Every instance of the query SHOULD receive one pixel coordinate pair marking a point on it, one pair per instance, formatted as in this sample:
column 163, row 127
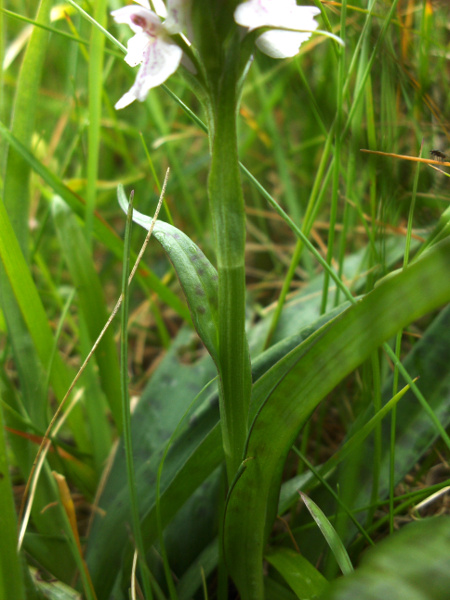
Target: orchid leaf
column 414, row 563
column 153, row 418
column 197, row 276
column 325, row 359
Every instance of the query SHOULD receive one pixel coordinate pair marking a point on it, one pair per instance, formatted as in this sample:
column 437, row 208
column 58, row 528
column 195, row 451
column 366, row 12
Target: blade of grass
column 95, row 111
column 28, row 356
column 126, row 410
column 337, row 157
column 11, row 578
column 330, row 535
column 398, row 342
column 91, row 302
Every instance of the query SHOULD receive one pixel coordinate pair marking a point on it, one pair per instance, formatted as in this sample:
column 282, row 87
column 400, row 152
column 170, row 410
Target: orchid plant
column 159, row 55
column 222, row 37
column 219, row 61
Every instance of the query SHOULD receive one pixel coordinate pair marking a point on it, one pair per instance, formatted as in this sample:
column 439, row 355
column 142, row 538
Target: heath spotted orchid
column 278, row 43
column 151, row 46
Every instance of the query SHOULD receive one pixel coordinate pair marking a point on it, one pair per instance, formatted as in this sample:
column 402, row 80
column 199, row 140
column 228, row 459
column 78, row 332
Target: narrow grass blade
column 30, row 304
column 15, row 194
column 22, row 126
column 95, row 112
column 92, row 303
column 330, row 535
column 11, row 579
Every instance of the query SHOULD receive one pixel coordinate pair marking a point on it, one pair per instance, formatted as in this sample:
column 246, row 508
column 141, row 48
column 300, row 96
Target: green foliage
column 414, row 563
column 281, row 339
column 11, row 579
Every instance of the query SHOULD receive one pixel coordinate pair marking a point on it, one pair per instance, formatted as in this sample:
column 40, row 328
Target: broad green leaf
column 275, row 591
column 303, row 578
column 331, row 353
column 415, row 432
column 412, row 564
column 197, row 276
column 193, row 458
column 45, row 547
column 330, row 535
column 186, row 536
column 429, row 361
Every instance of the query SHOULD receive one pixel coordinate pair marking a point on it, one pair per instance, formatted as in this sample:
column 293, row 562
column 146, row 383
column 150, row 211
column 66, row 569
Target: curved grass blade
column 330, row 535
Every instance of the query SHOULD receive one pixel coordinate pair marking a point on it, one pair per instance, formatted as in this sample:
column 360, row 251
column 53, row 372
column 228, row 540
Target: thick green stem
column 227, row 207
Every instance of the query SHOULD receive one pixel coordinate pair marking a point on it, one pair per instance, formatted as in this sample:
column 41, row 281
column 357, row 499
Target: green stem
column 228, row 216
column 126, row 412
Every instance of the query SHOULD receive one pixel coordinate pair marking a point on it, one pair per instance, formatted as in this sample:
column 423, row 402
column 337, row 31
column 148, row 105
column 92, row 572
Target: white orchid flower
column 178, row 15
column 151, row 46
column 278, row 43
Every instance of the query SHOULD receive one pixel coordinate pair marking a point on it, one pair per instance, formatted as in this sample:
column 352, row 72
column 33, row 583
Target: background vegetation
column 302, row 124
